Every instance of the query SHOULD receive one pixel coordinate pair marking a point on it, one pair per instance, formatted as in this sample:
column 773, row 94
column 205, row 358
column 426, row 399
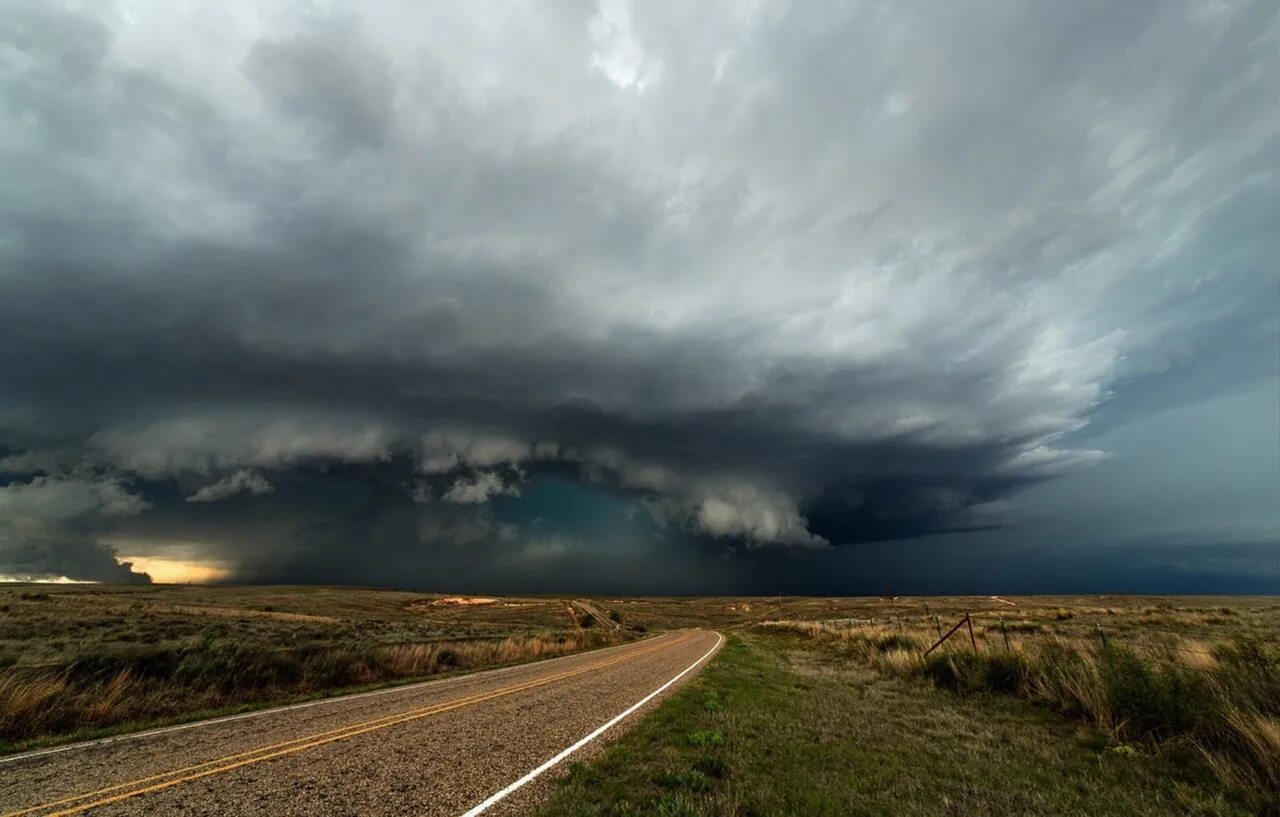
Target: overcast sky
column 661, row 297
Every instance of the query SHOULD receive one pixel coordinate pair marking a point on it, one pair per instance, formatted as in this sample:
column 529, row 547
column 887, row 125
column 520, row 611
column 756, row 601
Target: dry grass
column 238, row 612
column 26, row 701
column 1218, row 701
column 35, row 702
column 91, row 657
column 1257, row 739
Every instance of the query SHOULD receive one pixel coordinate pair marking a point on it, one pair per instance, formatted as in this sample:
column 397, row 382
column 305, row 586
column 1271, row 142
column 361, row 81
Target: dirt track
column 436, row 748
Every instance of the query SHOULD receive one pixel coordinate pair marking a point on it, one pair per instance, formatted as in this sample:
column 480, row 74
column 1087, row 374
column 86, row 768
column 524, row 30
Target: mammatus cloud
column 242, row 481
column 779, row 274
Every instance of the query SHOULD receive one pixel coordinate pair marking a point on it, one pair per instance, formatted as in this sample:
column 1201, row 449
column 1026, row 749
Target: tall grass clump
column 1228, row 716
column 26, row 698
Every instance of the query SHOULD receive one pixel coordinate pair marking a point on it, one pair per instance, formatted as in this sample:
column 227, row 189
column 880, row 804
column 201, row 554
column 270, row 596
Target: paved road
column 445, row 747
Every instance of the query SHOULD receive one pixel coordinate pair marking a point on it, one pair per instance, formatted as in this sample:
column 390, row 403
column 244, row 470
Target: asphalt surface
column 442, row 747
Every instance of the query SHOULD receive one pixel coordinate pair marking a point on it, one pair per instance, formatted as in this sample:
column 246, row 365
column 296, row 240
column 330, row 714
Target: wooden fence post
column 941, row 639
column 972, row 641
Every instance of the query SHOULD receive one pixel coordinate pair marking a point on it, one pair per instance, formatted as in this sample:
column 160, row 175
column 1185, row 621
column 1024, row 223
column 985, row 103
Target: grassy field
column 1054, row 705
column 82, row 660
column 774, row 727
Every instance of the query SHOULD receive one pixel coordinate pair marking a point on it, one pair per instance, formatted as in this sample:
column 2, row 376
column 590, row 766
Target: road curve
column 464, row 745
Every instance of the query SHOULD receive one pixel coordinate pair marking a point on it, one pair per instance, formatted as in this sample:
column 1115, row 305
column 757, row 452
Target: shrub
column 447, row 658
column 1153, row 699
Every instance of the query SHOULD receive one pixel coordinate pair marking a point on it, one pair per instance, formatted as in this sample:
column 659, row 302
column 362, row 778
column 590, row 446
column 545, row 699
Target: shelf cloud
column 774, row 275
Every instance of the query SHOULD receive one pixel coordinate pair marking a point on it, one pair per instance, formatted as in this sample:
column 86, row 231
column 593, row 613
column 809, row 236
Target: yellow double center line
column 221, row 765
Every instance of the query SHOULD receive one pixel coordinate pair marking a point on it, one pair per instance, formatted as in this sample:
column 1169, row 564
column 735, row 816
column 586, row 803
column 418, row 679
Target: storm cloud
column 771, row 275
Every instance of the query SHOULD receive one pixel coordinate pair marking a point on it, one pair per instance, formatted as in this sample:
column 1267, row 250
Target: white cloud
column 242, row 481
column 759, row 517
column 479, row 488
column 619, row 55
column 709, row 504
column 608, row 466
column 39, row 579
column 443, row 451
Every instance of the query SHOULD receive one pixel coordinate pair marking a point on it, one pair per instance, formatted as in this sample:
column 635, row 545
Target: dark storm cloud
column 779, row 275
column 53, row 527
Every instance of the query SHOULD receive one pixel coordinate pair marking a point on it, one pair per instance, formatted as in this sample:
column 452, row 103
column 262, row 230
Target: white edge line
column 495, row 798
column 257, row 713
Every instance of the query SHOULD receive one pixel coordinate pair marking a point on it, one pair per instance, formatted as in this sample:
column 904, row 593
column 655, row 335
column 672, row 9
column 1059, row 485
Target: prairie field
column 1032, row 705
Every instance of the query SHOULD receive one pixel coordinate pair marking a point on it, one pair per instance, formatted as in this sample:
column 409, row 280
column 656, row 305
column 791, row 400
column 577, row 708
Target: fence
column 1020, row 632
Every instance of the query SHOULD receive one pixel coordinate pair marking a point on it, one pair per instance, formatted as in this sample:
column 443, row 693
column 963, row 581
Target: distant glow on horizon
column 178, row 571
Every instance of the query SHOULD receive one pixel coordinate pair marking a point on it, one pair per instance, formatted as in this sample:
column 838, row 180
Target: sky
column 661, row 297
